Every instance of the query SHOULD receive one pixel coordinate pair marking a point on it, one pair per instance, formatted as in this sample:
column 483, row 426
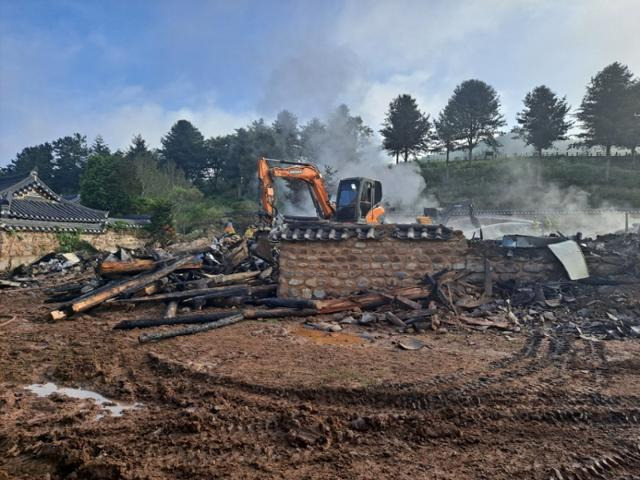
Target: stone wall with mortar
column 17, row 248
column 336, row 268
column 314, row 269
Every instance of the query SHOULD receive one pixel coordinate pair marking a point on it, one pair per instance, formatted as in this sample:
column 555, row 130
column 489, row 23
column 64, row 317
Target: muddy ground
column 276, row 400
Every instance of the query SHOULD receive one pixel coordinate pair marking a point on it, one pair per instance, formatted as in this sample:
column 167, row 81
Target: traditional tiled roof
column 64, row 211
column 26, row 202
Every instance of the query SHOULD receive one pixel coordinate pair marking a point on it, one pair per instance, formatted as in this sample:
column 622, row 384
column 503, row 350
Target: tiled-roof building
column 27, row 203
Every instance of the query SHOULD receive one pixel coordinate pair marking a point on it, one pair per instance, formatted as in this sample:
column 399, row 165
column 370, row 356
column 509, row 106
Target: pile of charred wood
column 195, row 276
column 204, row 288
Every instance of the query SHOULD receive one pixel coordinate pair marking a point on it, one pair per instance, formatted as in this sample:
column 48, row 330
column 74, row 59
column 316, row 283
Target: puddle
column 328, row 338
column 115, row 409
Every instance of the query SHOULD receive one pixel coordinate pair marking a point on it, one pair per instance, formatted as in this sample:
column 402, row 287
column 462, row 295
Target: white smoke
column 403, row 187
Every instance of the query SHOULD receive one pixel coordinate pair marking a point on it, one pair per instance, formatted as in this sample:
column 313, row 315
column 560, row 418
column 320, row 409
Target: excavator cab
column 358, row 201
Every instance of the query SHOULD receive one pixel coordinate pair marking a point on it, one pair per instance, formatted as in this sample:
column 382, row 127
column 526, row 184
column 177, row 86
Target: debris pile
column 234, row 278
column 223, row 272
column 52, row 263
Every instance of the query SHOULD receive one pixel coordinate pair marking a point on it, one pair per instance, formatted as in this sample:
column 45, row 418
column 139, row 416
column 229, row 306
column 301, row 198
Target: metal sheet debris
column 570, row 256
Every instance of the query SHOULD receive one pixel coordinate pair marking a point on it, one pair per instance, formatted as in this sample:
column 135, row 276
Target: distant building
column 28, row 204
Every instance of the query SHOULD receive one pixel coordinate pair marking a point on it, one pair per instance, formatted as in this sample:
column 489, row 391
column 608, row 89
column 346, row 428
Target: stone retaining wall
column 18, row 248
column 336, row 268
column 315, row 269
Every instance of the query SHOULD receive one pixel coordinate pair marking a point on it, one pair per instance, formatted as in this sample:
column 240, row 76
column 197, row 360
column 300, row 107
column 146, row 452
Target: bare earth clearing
column 276, row 400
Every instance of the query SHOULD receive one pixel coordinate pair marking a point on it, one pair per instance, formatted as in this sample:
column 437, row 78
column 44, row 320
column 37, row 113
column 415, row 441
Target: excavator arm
column 305, row 172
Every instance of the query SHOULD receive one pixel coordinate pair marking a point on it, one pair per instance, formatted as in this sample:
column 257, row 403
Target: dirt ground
column 274, row 399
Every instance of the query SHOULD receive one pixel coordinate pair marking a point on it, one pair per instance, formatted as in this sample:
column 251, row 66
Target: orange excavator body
column 363, row 207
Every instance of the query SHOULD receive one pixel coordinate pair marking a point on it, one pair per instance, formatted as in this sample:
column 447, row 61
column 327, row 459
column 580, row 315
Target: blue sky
column 118, row 68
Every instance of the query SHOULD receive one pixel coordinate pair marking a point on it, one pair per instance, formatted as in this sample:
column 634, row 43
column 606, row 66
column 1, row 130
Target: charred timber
column 205, row 327
column 204, row 293
column 114, row 289
column 248, row 313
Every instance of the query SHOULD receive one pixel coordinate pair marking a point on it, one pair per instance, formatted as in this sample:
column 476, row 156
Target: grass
column 549, row 182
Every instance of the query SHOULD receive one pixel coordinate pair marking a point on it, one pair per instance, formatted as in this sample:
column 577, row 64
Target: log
column 285, row 302
column 229, row 320
column 148, row 290
column 251, row 313
column 408, row 303
column 131, row 285
column 394, row 320
column 370, row 300
column 9, row 283
column 237, row 290
column 196, row 318
column 239, row 277
column 204, row 293
column 66, row 288
column 119, row 267
column 137, row 265
column 172, row 309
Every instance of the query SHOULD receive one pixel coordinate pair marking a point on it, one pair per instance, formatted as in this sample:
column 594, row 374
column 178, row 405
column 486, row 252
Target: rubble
column 450, row 365
column 229, row 276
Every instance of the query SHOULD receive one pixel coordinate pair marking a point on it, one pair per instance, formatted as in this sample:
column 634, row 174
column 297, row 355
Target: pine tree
column 475, row 114
column 406, row 130
column 603, row 111
column 446, row 138
column 99, row 147
column 70, row 157
column 184, row 146
column 138, row 147
column 39, row 157
column 543, row 120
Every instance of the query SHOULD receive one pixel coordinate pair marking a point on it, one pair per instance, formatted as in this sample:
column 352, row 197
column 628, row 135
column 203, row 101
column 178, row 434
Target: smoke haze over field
column 120, row 68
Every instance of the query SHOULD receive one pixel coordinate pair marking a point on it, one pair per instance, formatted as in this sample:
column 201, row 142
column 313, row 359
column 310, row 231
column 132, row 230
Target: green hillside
column 549, row 182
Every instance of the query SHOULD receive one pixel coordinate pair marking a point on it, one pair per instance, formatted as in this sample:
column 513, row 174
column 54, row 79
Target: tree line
column 198, row 174
column 609, row 116
column 189, row 170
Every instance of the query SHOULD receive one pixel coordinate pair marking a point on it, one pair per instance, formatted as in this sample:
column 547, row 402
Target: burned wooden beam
column 197, row 318
column 137, row 265
column 231, row 278
column 175, row 320
column 407, row 302
column 111, row 290
column 204, row 293
column 251, row 313
column 286, row 302
column 370, row 300
column 223, row 322
column 236, row 290
column 394, row 320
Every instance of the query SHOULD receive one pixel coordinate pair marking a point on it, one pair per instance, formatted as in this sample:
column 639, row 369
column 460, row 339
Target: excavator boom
column 305, row 172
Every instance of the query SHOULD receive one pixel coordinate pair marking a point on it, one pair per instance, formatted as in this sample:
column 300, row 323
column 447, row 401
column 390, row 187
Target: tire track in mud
column 621, row 464
column 474, row 402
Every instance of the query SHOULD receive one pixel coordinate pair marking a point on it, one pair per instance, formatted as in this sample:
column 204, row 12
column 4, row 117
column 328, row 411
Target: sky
column 118, row 68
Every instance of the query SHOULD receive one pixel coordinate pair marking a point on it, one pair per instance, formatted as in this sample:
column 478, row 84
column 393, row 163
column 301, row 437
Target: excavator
column 358, row 200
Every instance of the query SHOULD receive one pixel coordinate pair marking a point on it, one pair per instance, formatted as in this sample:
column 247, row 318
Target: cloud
column 210, row 64
column 512, row 45
column 116, row 125
column 313, row 81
